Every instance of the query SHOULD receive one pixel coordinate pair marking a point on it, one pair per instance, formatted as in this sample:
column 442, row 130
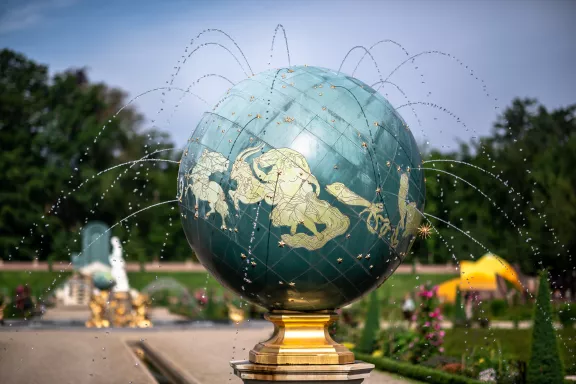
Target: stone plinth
column 251, row 373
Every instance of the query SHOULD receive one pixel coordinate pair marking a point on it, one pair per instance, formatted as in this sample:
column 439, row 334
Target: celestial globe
column 301, row 190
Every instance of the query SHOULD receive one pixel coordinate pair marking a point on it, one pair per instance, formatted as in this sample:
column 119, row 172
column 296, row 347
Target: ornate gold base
column 251, row 373
column 301, row 338
column 119, row 309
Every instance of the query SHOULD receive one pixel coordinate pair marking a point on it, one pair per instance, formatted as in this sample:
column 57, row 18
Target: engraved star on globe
column 301, row 190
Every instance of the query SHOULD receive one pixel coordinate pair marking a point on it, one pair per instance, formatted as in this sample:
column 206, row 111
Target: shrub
column 448, row 309
column 417, row 372
column 459, row 313
column 428, row 317
column 371, row 326
column 439, row 361
column 50, row 262
column 544, row 365
column 397, row 342
column 481, row 314
column 567, row 315
column 142, row 262
column 498, row 307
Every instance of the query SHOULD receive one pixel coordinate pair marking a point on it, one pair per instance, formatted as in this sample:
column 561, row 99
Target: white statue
column 118, row 267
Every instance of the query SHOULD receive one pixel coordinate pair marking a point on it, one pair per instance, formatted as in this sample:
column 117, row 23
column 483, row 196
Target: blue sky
column 518, row 48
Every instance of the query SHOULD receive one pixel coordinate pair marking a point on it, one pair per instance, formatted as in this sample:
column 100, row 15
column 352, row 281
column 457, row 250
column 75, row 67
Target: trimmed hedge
column 371, row 326
column 416, row 372
column 545, row 365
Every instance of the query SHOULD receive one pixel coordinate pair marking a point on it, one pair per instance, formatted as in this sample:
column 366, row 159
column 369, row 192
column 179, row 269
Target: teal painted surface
column 274, row 224
column 95, row 245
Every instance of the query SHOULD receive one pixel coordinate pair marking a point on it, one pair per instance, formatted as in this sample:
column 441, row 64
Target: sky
column 514, row 48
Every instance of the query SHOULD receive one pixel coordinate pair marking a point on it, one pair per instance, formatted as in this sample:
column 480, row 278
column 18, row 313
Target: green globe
column 103, row 280
column 301, row 190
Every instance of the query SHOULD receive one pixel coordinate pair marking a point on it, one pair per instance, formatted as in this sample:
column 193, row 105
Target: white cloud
column 24, row 15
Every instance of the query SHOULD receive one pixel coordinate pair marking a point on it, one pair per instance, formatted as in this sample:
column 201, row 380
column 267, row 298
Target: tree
column 505, row 190
column 371, row 325
column 57, row 133
column 545, row 365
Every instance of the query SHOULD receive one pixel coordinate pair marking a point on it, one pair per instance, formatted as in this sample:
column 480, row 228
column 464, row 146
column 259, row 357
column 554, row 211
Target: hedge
column 545, row 365
column 416, row 372
column 371, row 325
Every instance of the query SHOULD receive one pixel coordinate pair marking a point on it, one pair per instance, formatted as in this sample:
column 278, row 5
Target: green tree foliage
column 371, row 325
column 48, row 125
column 544, row 365
column 526, row 170
column 56, row 134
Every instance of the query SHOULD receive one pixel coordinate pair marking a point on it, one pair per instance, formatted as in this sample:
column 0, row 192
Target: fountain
column 113, row 303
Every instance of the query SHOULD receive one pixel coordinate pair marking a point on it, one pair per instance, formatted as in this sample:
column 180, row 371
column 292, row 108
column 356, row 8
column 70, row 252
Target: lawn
column 398, row 285
column 41, row 281
column 515, row 343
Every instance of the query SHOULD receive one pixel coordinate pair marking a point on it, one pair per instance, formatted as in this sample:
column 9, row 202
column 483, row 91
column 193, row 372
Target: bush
column 428, row 317
column 371, row 326
column 439, row 361
column 50, row 262
column 544, row 365
column 481, row 314
column 142, row 262
column 567, row 315
column 397, row 342
column 498, row 307
column 448, row 309
column 417, row 372
column 459, row 313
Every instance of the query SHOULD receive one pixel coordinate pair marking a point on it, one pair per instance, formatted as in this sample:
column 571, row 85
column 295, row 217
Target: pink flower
column 413, row 317
column 441, row 333
column 435, row 289
column 436, row 326
column 429, row 336
column 440, row 317
column 441, row 349
column 427, row 324
column 411, row 345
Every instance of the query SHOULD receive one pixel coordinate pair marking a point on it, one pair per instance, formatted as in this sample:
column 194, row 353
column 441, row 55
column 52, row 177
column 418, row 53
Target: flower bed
column 417, row 372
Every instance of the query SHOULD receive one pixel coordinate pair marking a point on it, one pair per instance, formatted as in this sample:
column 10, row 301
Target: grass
column 394, row 288
column 515, row 343
column 398, row 285
column 40, row 281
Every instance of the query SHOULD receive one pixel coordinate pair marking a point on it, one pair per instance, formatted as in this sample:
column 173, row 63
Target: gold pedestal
column 121, row 309
column 301, row 338
column 301, row 351
column 251, row 373
column 98, row 303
